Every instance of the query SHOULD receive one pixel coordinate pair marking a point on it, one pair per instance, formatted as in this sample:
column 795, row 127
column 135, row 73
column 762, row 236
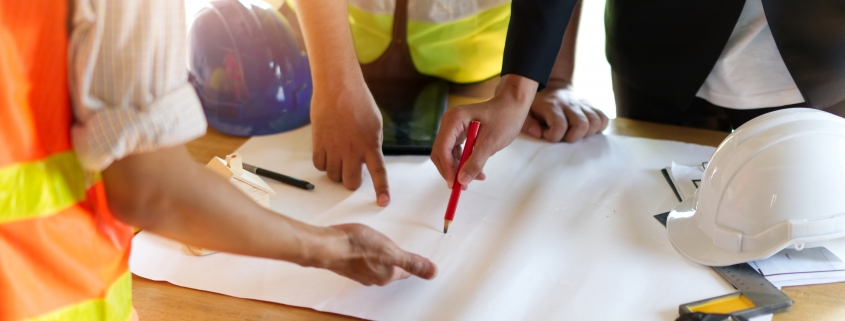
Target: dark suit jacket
column 666, row 48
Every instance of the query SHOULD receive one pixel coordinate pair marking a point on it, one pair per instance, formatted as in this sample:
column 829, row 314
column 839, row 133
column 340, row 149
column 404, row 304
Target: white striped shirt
column 128, row 79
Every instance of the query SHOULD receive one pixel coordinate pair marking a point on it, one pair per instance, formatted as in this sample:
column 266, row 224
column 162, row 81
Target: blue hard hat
column 249, row 72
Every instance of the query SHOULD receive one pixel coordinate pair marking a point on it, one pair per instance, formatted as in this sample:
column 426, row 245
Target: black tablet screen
column 411, row 113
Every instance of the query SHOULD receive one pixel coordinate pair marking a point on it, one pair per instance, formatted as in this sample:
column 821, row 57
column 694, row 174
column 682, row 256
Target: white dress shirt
column 750, row 73
column 128, row 79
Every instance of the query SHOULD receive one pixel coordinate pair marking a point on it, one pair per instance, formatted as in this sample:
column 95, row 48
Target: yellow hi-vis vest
column 460, row 41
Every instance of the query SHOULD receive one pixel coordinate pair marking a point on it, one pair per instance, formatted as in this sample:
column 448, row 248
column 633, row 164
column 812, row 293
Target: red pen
column 472, row 133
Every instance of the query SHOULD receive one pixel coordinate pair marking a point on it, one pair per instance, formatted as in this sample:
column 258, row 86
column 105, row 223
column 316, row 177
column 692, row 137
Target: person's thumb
column 473, row 166
column 417, row 265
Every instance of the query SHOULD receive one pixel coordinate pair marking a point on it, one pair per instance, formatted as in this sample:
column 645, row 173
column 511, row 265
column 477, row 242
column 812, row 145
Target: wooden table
column 164, row 301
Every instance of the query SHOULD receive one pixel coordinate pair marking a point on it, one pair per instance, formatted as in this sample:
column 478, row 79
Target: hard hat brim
column 691, row 241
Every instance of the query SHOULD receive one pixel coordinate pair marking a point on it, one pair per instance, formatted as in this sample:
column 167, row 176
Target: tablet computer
column 411, row 112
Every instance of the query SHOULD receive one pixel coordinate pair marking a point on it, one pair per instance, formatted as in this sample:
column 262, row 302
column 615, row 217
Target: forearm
column 517, row 91
column 166, row 193
column 535, row 34
column 564, row 67
column 328, row 39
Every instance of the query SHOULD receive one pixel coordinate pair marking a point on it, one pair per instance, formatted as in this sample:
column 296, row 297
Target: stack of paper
column 791, row 267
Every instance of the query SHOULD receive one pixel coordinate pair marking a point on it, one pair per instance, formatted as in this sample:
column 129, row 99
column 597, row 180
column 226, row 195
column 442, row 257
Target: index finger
column 447, row 137
column 375, row 165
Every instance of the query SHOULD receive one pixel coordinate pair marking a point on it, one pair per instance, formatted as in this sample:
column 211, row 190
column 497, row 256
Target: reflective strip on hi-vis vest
column 42, row 187
column 63, row 256
column 114, row 306
column 462, row 41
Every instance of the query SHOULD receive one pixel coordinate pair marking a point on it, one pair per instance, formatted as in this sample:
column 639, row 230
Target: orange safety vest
column 63, row 256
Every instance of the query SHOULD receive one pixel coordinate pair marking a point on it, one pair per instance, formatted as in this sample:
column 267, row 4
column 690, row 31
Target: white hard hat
column 776, row 181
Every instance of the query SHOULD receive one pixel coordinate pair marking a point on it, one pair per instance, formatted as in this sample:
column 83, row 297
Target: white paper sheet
column 790, row 267
column 792, row 261
column 557, row 232
column 686, row 178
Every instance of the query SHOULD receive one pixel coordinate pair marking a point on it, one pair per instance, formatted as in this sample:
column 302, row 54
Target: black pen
column 279, row 177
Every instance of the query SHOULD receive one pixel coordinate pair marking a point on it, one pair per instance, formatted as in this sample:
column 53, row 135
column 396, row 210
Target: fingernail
column 464, row 179
column 383, row 200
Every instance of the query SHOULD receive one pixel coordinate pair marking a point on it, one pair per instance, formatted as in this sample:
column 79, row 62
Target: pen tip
column 309, row 186
column 445, row 230
column 446, row 226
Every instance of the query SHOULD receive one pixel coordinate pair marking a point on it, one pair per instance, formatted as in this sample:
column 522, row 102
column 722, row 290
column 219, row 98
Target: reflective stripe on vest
column 63, row 256
column 41, row 188
column 114, row 306
column 458, row 40
column 53, row 263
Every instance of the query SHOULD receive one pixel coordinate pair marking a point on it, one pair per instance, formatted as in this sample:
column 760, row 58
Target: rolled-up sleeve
column 128, row 80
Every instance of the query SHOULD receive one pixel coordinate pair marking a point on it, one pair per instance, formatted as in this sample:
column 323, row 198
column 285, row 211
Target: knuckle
column 374, row 144
column 555, row 133
column 559, row 128
column 580, row 126
column 352, row 183
column 416, row 265
column 473, row 168
column 380, row 170
column 450, row 114
column 594, row 126
column 318, row 162
column 573, row 136
column 599, row 112
column 359, row 229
